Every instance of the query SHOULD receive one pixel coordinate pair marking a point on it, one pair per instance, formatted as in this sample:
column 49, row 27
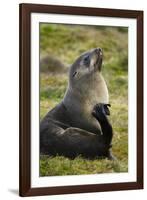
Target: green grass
column 66, row 43
column 59, row 165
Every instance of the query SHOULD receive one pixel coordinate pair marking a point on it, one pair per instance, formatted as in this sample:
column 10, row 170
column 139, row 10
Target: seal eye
column 86, row 60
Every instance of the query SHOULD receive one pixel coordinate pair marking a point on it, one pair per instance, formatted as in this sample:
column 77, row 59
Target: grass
column 66, row 42
column 59, row 165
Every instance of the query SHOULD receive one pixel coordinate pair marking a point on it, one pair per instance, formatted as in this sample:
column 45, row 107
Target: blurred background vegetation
column 60, row 45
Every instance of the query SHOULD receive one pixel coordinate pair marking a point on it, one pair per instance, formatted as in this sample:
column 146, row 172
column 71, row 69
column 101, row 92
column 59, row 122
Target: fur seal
column 78, row 125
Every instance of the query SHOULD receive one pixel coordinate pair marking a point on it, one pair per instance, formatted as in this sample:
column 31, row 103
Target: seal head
column 86, row 65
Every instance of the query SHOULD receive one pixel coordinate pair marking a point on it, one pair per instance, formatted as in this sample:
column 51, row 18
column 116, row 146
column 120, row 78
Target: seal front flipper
column 100, row 112
column 106, row 109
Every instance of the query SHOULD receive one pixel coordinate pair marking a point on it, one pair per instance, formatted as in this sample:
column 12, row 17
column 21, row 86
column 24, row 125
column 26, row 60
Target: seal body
column 70, row 129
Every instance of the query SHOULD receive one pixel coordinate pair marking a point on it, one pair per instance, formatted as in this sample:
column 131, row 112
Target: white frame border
column 131, row 176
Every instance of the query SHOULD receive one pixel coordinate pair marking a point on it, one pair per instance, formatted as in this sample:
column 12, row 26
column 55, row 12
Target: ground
column 65, row 43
